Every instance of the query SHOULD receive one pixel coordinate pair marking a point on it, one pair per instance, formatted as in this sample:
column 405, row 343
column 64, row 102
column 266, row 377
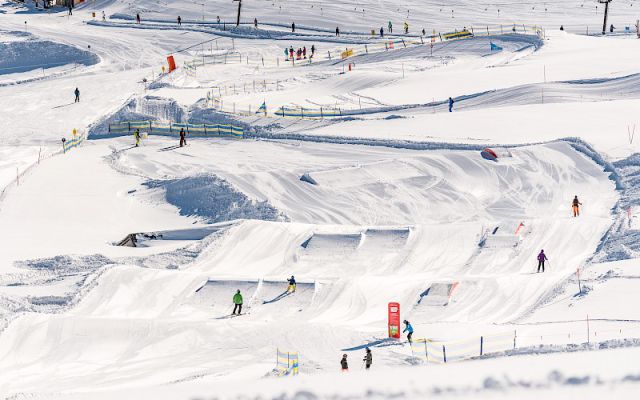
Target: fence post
column 288, row 360
column 515, row 334
column 109, row 129
column 588, row 330
column 444, row 353
column 366, row 50
column 321, row 116
column 481, row 344
column 170, row 129
column 150, row 128
column 129, row 123
column 301, row 112
column 426, row 351
column 205, row 128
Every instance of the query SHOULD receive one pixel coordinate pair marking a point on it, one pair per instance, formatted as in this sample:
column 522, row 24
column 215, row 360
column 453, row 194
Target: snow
column 390, row 200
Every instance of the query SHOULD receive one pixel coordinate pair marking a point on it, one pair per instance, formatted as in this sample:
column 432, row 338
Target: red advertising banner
column 394, row 320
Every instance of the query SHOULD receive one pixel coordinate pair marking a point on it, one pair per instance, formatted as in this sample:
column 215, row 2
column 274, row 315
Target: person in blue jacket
column 450, row 104
column 408, row 328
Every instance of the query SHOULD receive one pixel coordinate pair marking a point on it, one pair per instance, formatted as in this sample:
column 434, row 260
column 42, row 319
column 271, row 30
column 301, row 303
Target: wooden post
column 481, row 344
column 444, row 353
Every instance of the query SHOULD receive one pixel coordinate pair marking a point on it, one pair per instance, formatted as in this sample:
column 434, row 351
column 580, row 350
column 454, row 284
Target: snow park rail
column 169, row 128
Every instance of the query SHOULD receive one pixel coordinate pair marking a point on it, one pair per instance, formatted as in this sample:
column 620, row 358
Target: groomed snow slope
column 146, row 317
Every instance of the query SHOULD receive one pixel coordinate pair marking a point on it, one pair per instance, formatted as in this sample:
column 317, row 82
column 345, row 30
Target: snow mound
column 22, row 52
column 213, row 200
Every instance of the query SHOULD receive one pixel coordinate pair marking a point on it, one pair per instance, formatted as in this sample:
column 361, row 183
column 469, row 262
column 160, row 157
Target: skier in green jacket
column 237, row 301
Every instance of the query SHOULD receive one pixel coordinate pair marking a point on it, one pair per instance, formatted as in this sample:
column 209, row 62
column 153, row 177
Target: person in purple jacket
column 541, row 259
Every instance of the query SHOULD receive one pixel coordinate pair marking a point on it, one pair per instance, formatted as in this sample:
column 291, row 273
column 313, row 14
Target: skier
column 304, row 52
column 450, row 104
column 561, row 27
column 292, row 285
column 344, row 364
column 576, row 206
column 255, row 23
column 77, row 93
column 299, row 54
column 611, row 28
column 381, row 32
column 313, row 50
column 217, row 18
column 337, row 31
column 138, row 18
column 286, row 54
column 541, row 259
column 179, row 21
column 406, row 28
column 70, row 9
column 293, row 27
column 408, row 328
column 136, row 135
column 291, row 53
column 423, row 32
column 368, row 359
column 104, row 17
column 183, row 141
column 237, row 301
column 390, row 27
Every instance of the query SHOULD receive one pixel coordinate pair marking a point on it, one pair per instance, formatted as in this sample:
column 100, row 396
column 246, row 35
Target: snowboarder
column 450, row 104
column 136, row 135
column 292, row 285
column 576, row 206
column 390, row 27
column 137, row 18
column 381, row 32
column 183, row 141
column 299, row 54
column 337, row 31
column 255, row 23
column 344, row 364
column 179, row 21
column 406, row 28
column 368, row 358
column 77, row 93
column 237, row 303
column 304, row 52
column 409, row 329
column 293, row 27
column 291, row 53
column 313, row 50
column 541, row 259
column 286, row 54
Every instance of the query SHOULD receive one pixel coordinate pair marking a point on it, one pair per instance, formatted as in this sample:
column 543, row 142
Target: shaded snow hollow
column 213, row 199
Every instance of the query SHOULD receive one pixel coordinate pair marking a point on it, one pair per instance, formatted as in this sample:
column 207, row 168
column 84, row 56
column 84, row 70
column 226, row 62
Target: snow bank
column 213, row 200
column 31, row 53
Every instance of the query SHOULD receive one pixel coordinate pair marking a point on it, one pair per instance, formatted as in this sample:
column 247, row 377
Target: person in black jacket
column 183, row 141
column 344, row 364
column 368, row 358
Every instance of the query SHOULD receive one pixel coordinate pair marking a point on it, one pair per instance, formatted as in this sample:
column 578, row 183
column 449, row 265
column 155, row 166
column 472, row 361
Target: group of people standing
column 300, row 54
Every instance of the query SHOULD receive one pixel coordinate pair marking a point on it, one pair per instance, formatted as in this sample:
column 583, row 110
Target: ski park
column 281, row 199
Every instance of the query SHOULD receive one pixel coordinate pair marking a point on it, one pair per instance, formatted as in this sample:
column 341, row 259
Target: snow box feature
column 438, row 294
